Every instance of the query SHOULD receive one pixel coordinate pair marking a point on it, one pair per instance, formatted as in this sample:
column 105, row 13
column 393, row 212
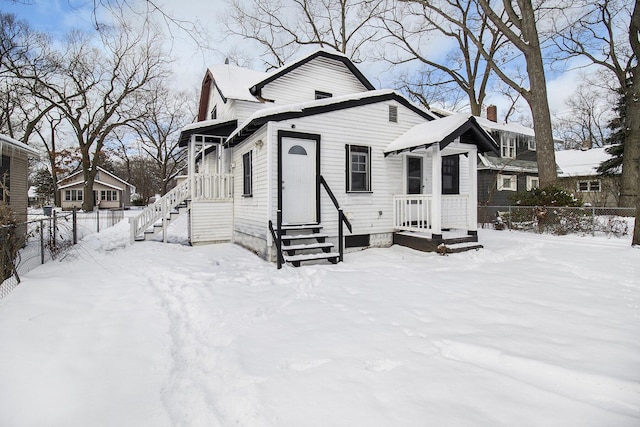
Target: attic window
column 323, row 95
column 214, row 112
column 393, row 113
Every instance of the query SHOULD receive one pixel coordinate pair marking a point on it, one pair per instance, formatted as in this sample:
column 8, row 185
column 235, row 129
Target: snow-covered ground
column 530, row 331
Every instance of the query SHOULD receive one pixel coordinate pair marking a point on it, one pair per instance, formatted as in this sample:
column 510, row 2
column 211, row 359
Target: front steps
column 443, row 244
column 306, row 242
column 156, row 228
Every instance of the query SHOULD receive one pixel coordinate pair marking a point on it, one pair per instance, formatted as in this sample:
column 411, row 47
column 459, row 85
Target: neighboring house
column 579, row 176
column 312, row 146
column 14, row 171
column 109, row 191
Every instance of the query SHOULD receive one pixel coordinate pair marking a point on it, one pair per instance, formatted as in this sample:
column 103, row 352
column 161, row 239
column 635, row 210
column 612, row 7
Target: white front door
column 299, row 181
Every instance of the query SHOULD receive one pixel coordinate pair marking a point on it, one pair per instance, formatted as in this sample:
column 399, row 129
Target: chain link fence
column 49, row 235
column 595, row 221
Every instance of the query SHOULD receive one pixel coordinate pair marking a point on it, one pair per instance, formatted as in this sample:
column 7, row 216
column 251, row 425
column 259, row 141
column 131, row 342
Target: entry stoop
column 306, row 242
column 447, row 243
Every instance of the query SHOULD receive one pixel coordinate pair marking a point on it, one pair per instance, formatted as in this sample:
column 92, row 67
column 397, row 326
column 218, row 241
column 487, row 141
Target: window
column 414, row 175
column 508, row 148
column 507, row 182
column 594, row 186
column 532, row 182
column 393, row 113
column 323, row 95
column 108, row 195
column 5, row 173
column 247, row 174
column 358, row 168
column 73, row 195
column 531, row 144
column 451, row 174
column 214, row 112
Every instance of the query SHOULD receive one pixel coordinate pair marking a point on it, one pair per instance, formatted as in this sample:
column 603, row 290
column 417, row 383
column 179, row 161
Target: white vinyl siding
column 319, row 74
column 211, row 221
column 368, row 126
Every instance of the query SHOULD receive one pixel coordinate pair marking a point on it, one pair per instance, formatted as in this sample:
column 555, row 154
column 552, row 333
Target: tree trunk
column 631, row 156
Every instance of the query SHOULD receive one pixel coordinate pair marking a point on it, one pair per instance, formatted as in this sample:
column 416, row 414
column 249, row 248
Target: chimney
column 587, row 144
column 492, row 113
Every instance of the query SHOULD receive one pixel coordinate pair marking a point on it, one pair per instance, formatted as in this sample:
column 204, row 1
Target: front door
column 299, row 181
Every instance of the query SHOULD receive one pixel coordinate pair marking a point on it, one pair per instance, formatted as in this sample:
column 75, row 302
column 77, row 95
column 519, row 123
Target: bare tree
column 157, row 132
column 281, row 27
column 98, row 90
column 608, row 35
column 584, row 124
column 412, row 25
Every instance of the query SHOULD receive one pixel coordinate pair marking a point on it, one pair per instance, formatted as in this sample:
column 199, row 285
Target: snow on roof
column 581, row 162
column 428, row 132
column 234, row 82
column 299, row 107
column 204, row 124
column 74, row 183
column 490, row 125
column 17, row 144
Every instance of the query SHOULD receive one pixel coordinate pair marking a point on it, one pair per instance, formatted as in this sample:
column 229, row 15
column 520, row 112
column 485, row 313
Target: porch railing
column 160, row 209
column 212, row 186
column 414, row 212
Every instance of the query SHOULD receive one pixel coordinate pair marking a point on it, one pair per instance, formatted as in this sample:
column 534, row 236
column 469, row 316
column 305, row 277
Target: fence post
column 97, row 220
column 509, row 217
column 75, row 226
column 593, row 221
column 41, row 241
column 55, row 227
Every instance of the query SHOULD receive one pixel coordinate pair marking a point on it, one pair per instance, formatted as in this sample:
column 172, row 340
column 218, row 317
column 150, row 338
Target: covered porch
column 439, row 177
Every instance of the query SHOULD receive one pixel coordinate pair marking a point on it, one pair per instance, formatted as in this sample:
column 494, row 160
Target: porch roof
column 222, row 128
column 444, row 131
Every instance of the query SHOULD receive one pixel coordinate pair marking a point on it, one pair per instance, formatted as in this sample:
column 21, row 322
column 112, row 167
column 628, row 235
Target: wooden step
column 287, row 227
column 301, row 247
column 297, row 259
column 304, row 236
column 455, row 248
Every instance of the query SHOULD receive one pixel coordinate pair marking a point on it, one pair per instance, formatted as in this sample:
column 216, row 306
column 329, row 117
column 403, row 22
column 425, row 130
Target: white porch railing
column 413, row 212
column 454, row 211
column 160, row 209
column 212, row 186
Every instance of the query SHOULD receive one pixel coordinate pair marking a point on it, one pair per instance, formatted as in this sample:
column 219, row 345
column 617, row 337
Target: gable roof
column 581, row 162
column 442, row 131
column 287, row 68
column 15, row 144
column 233, row 82
column 101, row 170
column 326, row 105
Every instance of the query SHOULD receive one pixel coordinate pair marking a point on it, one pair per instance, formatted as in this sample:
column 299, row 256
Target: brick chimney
column 492, row 113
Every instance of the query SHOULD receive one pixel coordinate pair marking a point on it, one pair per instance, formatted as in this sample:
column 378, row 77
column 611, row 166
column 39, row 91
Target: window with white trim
column 358, row 168
column 531, row 144
column 247, row 174
column 507, row 182
column 594, row 186
column 73, row 195
column 109, row 195
column 508, row 148
column 532, row 182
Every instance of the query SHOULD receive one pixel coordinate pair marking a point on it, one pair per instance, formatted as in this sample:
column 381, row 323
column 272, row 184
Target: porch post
column 472, row 207
column 191, row 165
column 436, row 192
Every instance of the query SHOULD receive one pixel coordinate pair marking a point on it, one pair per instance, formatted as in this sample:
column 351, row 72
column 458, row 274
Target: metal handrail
column 342, row 219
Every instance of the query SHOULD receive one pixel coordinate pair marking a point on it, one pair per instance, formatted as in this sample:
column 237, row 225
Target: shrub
column 11, row 242
column 548, row 196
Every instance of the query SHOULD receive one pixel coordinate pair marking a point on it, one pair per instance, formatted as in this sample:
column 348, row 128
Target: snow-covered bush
column 11, row 242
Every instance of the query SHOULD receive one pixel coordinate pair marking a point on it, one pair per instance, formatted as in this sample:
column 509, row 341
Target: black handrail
column 277, row 237
column 342, row 219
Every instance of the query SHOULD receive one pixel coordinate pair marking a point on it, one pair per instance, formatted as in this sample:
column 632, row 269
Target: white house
column 283, row 162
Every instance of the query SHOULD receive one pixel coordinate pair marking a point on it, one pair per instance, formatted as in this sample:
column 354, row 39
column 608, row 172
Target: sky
column 528, row 331
column 191, row 59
